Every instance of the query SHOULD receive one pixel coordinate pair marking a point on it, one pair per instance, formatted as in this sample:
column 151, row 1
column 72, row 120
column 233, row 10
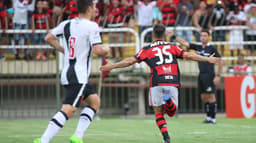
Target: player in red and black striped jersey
column 161, row 57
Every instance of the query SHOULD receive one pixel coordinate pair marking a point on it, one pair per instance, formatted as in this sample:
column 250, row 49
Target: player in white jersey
column 82, row 37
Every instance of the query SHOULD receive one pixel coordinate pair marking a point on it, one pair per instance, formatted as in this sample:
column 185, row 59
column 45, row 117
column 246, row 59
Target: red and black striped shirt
column 71, row 6
column 115, row 15
column 130, row 10
column 168, row 13
column 40, row 20
column 161, row 57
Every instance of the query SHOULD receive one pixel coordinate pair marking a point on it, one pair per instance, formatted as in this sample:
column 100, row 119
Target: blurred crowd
column 203, row 14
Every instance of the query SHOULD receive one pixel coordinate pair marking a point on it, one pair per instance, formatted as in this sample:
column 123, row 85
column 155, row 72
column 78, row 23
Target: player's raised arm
column 195, row 57
column 124, row 63
column 51, row 39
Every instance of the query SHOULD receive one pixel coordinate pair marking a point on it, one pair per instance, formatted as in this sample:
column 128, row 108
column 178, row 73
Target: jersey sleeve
column 178, row 51
column 141, row 55
column 59, row 30
column 217, row 54
column 94, row 36
column 193, row 46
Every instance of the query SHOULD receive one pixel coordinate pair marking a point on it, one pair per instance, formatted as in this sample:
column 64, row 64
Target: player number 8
column 161, row 52
column 71, row 45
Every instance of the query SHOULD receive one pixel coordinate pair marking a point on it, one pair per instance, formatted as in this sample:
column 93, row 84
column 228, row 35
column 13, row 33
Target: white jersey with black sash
column 79, row 37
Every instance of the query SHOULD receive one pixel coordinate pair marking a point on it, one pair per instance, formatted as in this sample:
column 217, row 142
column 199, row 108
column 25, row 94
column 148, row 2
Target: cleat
column 75, row 139
column 209, row 121
column 37, row 140
column 167, row 141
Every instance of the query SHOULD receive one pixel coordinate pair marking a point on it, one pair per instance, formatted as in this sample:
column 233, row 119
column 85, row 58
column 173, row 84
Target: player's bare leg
column 161, row 123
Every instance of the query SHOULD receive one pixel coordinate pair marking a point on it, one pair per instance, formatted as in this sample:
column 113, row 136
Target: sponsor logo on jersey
column 209, row 89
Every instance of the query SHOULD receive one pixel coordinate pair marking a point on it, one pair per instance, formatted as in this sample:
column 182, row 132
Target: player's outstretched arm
column 100, row 49
column 51, row 39
column 124, row 63
column 182, row 42
column 195, row 57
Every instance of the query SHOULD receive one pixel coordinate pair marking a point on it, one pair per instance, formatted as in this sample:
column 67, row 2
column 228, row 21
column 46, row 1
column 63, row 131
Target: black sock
column 213, row 109
column 207, row 109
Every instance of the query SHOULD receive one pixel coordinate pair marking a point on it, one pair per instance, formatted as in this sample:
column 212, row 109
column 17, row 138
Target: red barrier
column 240, row 96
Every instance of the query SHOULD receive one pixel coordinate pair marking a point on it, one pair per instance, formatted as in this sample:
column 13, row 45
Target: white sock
column 57, row 122
column 85, row 120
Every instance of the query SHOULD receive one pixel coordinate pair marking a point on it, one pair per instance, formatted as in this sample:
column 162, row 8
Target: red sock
column 170, row 108
column 161, row 123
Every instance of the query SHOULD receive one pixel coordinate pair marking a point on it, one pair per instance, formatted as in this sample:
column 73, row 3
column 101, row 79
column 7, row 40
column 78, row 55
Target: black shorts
column 205, row 83
column 251, row 48
column 127, row 18
column 76, row 93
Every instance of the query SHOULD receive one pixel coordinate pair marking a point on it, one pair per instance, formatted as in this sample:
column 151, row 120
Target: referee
column 207, row 79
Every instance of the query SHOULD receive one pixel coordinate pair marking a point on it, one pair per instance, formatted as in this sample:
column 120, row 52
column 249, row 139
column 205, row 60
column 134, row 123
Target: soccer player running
column 82, row 37
column 161, row 57
column 207, row 79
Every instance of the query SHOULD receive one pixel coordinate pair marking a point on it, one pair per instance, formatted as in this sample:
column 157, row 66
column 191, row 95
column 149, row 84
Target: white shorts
column 236, row 39
column 156, row 95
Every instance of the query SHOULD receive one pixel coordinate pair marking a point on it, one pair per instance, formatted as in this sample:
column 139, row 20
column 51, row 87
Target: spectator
column 115, row 17
column 200, row 19
column 176, row 2
column 128, row 11
column 49, row 12
column 240, row 3
column 100, row 13
column 97, row 17
column 168, row 9
column 236, row 17
column 40, row 20
column 10, row 12
column 145, row 18
column 241, row 68
column 210, row 3
column 218, row 18
column 8, row 3
column 3, row 20
column 247, row 5
column 115, row 20
column 3, row 17
column 251, row 33
column 70, row 9
column 185, row 12
column 57, row 12
column 157, row 15
column 20, row 20
column 128, row 7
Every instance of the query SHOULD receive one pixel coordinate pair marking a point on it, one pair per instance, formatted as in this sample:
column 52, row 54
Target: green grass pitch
column 136, row 130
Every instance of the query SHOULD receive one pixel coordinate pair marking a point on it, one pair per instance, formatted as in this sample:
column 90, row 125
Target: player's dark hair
column 206, row 31
column 159, row 30
column 83, row 5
